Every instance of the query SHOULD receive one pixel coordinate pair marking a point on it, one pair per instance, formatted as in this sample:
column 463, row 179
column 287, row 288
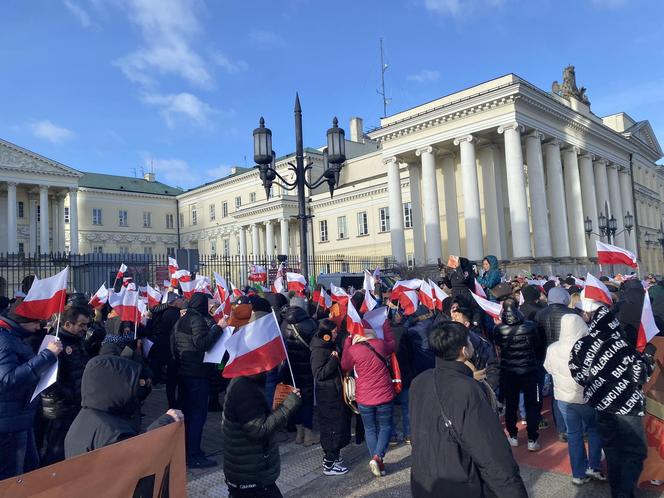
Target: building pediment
column 20, row 160
column 644, row 132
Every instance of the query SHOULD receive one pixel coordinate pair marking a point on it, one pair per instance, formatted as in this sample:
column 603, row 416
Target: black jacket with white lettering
column 611, row 371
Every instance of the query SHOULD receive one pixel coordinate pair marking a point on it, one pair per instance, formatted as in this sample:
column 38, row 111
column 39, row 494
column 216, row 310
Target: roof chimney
column 149, row 176
column 356, row 130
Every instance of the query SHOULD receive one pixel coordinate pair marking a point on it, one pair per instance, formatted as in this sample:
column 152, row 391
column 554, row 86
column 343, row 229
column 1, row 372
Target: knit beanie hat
column 558, row 295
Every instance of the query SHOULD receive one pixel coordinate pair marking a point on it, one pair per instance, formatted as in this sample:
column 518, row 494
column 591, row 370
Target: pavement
column 302, row 476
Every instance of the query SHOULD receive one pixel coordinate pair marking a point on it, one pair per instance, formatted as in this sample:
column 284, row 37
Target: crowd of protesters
column 467, row 380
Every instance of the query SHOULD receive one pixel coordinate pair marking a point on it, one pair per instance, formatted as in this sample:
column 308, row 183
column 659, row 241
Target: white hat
column 587, row 304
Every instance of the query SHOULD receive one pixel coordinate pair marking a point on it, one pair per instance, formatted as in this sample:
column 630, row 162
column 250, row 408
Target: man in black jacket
column 548, row 319
column 459, row 448
column 194, row 334
column 522, row 350
column 62, row 401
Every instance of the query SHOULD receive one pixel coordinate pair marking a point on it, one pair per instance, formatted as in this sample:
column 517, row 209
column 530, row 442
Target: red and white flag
column 425, row 295
column 377, row 318
column 254, row 348
column 121, row 271
column 353, row 321
column 172, row 265
column 142, row 291
column 100, row 298
column 278, row 283
column 296, row 282
column 187, row 285
column 404, row 285
column 614, row 255
column 647, row 329
column 439, row 295
column 338, row 295
column 222, row 287
column 153, row 295
column 125, row 304
column 478, row 290
column 493, row 309
column 408, row 301
column 45, row 298
column 257, row 273
column 368, row 284
column 324, row 299
column 595, row 289
column 236, row 292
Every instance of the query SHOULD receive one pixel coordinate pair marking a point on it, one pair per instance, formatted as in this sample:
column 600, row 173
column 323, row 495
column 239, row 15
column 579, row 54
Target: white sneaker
column 533, row 446
column 335, row 470
column 580, row 481
column 514, row 442
column 595, row 474
column 656, row 482
column 340, row 461
column 374, row 467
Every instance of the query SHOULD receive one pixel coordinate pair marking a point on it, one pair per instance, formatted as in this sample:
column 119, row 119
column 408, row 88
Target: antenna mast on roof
column 383, row 69
column 133, row 170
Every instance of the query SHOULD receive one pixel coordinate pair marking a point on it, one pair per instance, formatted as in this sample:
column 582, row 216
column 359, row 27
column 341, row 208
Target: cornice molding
column 127, row 237
column 122, row 193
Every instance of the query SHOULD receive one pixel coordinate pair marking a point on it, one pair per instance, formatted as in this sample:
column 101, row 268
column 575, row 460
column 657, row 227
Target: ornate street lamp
column 601, row 221
column 647, row 239
column 588, row 226
column 265, row 158
column 612, row 226
column 629, row 222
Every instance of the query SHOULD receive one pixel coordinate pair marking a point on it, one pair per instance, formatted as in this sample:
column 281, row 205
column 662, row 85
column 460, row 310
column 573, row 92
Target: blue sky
column 112, row 85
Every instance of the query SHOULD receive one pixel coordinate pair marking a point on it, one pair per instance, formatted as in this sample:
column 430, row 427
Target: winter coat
column 64, row 397
column 194, row 334
column 248, row 429
column 492, row 277
column 373, row 385
column 160, row 329
column 20, row 371
column 572, row 328
column 530, row 310
column 629, row 315
column 333, row 415
column 417, row 334
column 611, row 371
column 404, row 353
column 484, row 358
column 522, row 348
column 477, row 464
column 297, row 344
column 110, row 394
column 548, row 321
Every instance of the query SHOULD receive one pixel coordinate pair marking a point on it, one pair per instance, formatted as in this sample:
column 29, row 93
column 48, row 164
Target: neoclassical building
column 501, row 168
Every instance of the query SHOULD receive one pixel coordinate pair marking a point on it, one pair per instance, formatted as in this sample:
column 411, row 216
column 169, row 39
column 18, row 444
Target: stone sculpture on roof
column 568, row 89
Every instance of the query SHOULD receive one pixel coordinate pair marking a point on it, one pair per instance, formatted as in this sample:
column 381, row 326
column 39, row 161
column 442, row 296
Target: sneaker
column 595, row 474
column 656, row 482
column 335, row 470
column 394, row 440
column 543, row 424
column 562, row 437
column 381, row 466
column 514, row 441
column 374, row 466
column 580, row 481
column 407, row 440
column 340, row 461
column 523, row 421
column 201, row 463
column 533, row 446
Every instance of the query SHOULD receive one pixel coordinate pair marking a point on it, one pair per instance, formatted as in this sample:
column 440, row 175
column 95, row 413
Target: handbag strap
column 382, row 358
column 446, row 420
column 298, row 336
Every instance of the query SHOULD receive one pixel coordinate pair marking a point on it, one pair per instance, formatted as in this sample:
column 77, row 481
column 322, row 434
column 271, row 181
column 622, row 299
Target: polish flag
column 121, row 271
column 408, row 301
column 254, row 348
column 595, row 289
column 478, row 290
column 100, row 298
column 647, row 328
column 296, row 282
column 142, row 291
column 353, row 321
column 324, row 299
column 439, row 295
column 368, row 284
column 404, row 285
column 142, row 307
column 188, row 286
column 493, row 309
column 339, row 295
column 614, row 255
column 172, row 265
column 425, row 295
column 377, row 318
column 125, row 304
column 154, row 296
column 202, row 285
column 236, row 292
column 579, row 282
column 368, row 303
column 222, row 287
column 179, row 275
column 278, row 283
column 45, row 298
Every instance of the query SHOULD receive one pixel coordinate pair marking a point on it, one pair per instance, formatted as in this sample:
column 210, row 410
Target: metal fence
column 89, row 271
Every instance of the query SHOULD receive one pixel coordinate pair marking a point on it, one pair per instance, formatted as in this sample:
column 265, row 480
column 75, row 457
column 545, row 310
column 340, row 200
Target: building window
column 238, row 202
column 123, row 222
column 20, row 208
column 252, row 197
column 213, row 247
column 96, row 216
column 147, row 250
column 342, row 230
column 170, row 251
column 194, row 216
column 384, row 216
column 227, row 247
column 224, row 209
column 362, row 223
column 147, row 219
column 213, row 213
column 169, row 220
column 124, row 250
column 67, row 214
column 21, row 247
column 181, row 220
column 408, row 215
column 322, row 225
column 410, row 260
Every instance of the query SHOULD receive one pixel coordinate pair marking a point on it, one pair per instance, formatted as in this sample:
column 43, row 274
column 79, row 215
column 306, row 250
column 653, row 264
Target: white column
column 397, row 237
column 589, row 199
column 269, row 237
column 255, row 241
column 516, row 191
column 55, row 241
column 471, row 198
column 501, row 193
column 491, row 211
column 416, row 213
column 32, row 201
column 451, row 207
column 431, row 214
column 628, row 205
column 61, row 222
column 12, row 244
column 284, row 236
column 557, row 202
column 242, row 235
column 574, row 202
column 616, row 203
column 73, row 221
column 602, row 191
column 44, row 224
column 538, row 203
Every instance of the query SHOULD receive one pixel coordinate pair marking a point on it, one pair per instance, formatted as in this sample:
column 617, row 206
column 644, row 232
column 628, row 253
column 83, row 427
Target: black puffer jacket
column 418, row 329
column 248, row 427
column 522, row 348
column 194, row 334
column 298, row 347
column 629, row 311
column 64, row 397
column 548, row 321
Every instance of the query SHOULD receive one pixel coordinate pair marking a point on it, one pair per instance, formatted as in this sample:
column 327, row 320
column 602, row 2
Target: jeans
column 377, row 422
column 624, row 442
column 512, row 385
column 194, row 394
column 18, row 453
column 580, row 418
column 402, row 400
column 558, row 417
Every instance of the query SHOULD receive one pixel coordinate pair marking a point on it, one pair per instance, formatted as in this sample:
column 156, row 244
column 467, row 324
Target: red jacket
column 373, row 385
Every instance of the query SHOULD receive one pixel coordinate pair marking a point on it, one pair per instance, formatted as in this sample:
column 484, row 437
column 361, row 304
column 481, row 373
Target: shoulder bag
column 392, row 366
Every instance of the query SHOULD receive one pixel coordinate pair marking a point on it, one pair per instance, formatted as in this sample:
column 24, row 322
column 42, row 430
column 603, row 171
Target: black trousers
column 513, row 384
column 271, row 491
column 624, row 441
column 55, row 430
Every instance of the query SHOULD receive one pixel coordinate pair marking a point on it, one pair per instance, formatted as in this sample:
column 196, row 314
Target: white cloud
column 458, row 7
column 230, row 66
column 424, row 76
column 218, row 172
column 48, row 130
column 174, row 172
column 187, row 105
column 81, row 15
column 269, row 38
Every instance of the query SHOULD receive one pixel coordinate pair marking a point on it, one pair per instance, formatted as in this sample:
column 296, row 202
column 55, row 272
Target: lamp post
column 608, row 226
column 265, row 158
